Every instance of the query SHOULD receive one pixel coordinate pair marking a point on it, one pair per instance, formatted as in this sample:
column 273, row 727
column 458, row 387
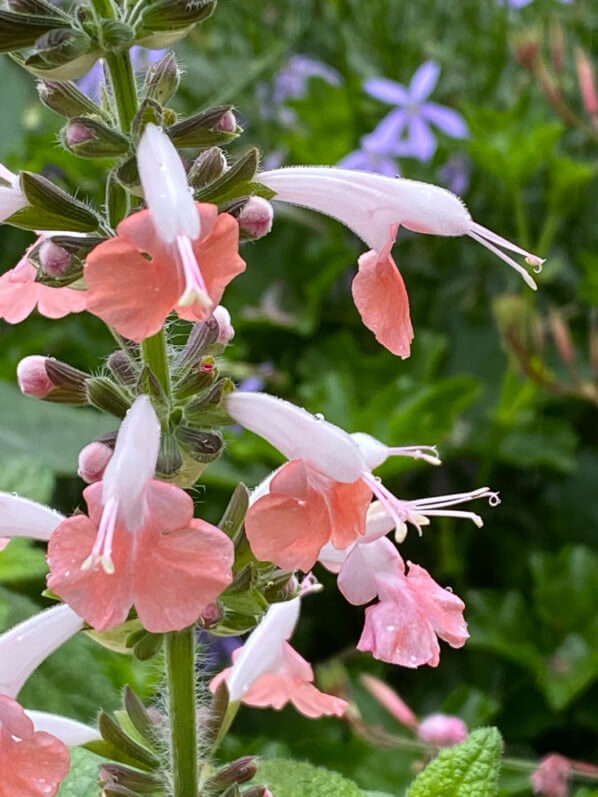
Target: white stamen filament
column 101, row 553
column 428, row 453
column 492, row 241
column 195, row 287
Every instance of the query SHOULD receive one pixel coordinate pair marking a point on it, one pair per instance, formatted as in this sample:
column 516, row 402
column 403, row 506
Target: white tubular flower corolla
column 70, row 732
column 173, row 209
column 370, row 204
column 12, row 198
column 20, row 517
column 24, row 647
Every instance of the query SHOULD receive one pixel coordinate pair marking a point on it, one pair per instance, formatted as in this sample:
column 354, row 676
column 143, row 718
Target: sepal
column 202, row 446
column 65, row 98
column 170, row 459
column 105, row 395
column 174, row 15
column 129, row 748
column 150, row 112
column 23, row 30
column 207, row 168
column 62, row 54
column 206, row 410
column 51, row 208
column 233, row 518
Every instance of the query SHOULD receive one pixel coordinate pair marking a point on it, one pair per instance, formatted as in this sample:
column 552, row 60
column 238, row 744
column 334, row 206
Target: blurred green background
column 500, row 378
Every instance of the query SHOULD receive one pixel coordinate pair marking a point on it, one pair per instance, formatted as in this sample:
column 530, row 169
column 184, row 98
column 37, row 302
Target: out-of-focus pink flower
column 374, row 206
column 268, row 672
column 322, row 495
column 12, row 198
column 93, row 460
column 391, row 701
column 193, row 251
column 33, row 763
column 551, row 779
column 226, row 331
column 3, row 543
column 442, row 730
column 20, row 294
column 149, row 550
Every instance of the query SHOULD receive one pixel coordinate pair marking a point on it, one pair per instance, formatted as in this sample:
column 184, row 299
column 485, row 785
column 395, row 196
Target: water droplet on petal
column 319, row 416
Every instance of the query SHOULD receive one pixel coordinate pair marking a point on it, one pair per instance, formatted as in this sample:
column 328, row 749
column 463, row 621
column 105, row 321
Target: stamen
column 101, row 553
column 509, row 260
column 195, row 287
column 428, row 453
column 439, row 501
column 456, row 513
column 393, row 506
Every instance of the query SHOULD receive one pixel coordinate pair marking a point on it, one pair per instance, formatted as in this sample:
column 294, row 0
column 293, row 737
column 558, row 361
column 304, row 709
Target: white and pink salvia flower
column 374, row 207
column 140, row 545
column 412, row 612
column 34, row 759
column 323, row 493
column 268, row 672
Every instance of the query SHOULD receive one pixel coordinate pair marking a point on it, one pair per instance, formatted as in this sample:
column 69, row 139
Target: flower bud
column 442, row 730
column 258, row 791
column 170, row 459
column 51, row 208
column 228, row 123
column 255, row 220
column 203, row 335
column 562, row 337
column 240, row 771
column 211, row 615
column 93, row 460
column 20, row 30
column 204, row 129
column 162, row 79
column 65, row 98
column 551, row 778
column 198, row 378
column 169, row 15
column 53, row 259
column 132, row 781
column 226, row 331
column 209, row 166
column 202, row 446
column 527, row 49
column 557, row 46
column 33, row 378
column 89, row 138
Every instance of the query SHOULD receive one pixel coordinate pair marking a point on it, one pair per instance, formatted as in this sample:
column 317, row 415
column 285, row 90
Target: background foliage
column 530, row 576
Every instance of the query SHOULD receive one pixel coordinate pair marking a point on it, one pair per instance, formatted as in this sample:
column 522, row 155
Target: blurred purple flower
column 522, row 3
column 455, row 174
column 378, row 151
column 141, row 57
column 292, row 81
column 414, row 114
column 367, row 161
column 217, row 650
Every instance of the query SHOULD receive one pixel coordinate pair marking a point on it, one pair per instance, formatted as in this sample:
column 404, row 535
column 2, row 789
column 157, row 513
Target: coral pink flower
column 268, row 672
column 374, row 207
column 32, row 763
column 322, row 495
column 149, row 550
column 3, row 543
column 552, row 776
column 177, row 255
column 413, row 610
column 20, row 294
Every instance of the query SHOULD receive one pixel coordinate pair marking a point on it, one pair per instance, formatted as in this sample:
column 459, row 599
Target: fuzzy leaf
column 82, row 780
column 468, row 770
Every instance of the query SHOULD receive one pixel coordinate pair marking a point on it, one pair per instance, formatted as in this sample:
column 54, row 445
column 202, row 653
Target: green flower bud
column 51, row 208
column 90, row 138
column 162, row 80
column 209, row 166
column 23, row 30
column 66, row 99
column 105, row 395
column 62, row 54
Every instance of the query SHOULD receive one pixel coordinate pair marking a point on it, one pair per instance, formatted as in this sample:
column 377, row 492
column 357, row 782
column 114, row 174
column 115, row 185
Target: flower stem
column 124, row 90
column 155, row 355
column 180, row 666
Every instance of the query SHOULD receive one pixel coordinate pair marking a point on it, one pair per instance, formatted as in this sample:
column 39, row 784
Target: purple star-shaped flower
column 378, row 151
column 292, row 81
column 522, row 3
column 415, row 114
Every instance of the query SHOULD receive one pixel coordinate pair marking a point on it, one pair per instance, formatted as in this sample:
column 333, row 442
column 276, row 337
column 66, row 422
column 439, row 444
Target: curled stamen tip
column 309, row 585
column 494, row 499
column 535, row 262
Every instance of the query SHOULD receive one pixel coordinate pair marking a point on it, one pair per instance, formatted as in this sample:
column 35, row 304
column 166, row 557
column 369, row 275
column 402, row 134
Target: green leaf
column 293, row 779
column 50, row 433
column 571, row 668
column 82, row 780
column 468, row 770
column 28, row 477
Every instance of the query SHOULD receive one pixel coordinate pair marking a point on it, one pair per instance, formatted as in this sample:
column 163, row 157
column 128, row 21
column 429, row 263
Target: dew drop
column 319, row 416
column 449, row 589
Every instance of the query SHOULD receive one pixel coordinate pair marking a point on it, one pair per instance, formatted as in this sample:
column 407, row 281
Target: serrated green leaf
column 82, row 780
column 470, row 769
column 293, row 779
